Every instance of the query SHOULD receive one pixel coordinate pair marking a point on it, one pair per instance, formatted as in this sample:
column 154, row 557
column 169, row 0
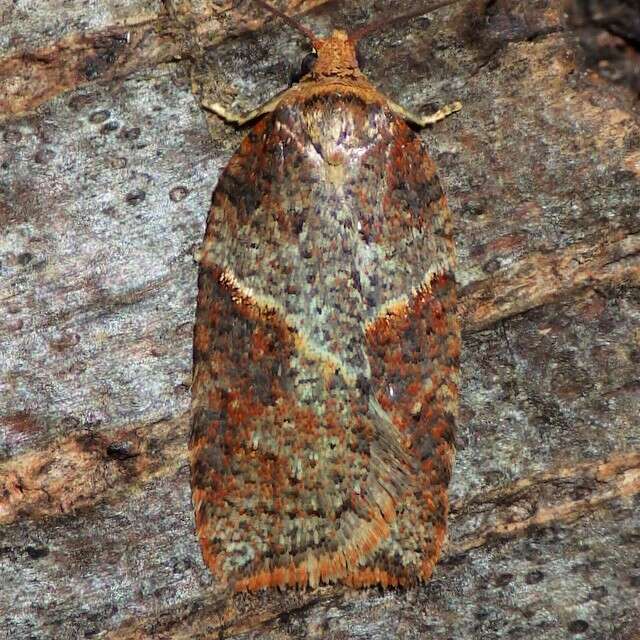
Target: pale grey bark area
column 106, row 173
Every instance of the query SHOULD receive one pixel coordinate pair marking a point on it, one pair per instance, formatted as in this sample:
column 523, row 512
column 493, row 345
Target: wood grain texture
column 104, row 194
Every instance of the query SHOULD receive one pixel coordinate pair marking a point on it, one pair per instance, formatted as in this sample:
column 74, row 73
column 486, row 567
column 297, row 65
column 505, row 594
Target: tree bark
column 107, row 165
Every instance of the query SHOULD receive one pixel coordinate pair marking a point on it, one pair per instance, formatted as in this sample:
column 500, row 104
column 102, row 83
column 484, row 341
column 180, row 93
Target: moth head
column 332, row 57
column 336, row 56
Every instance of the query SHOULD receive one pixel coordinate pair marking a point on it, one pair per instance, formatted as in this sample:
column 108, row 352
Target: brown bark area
column 107, row 165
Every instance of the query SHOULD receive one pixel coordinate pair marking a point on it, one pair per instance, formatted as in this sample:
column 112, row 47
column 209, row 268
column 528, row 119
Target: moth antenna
column 290, row 21
column 388, row 19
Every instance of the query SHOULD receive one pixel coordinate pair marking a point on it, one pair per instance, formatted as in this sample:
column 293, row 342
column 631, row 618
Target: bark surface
column 107, row 165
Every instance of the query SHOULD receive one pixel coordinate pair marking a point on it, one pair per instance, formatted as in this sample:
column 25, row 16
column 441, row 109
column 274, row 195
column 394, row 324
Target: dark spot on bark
column 122, row 450
column 578, row 626
column 35, row 553
column 481, row 614
column 80, row 101
column 96, row 65
column 597, row 593
column 15, row 325
column 533, row 577
column 98, row 117
column 62, row 341
column 630, row 537
column 178, row 193
column 70, row 423
column 25, row 258
column 132, row 133
column 118, row 163
column 491, row 266
column 135, row 197
column 44, row 156
column 12, row 136
column 108, row 127
column 503, row 579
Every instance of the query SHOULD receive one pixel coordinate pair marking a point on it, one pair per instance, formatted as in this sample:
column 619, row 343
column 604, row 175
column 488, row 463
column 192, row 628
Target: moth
column 326, row 341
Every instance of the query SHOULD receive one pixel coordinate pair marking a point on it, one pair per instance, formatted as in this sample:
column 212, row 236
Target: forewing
column 319, row 255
